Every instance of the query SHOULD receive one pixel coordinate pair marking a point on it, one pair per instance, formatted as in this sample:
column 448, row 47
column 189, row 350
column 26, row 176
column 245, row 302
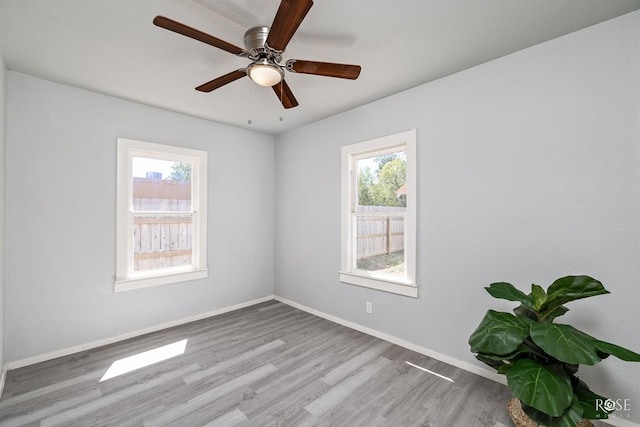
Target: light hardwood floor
column 265, row 365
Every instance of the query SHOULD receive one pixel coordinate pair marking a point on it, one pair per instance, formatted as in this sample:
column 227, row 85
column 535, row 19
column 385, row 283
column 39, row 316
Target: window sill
column 132, row 283
column 391, row 286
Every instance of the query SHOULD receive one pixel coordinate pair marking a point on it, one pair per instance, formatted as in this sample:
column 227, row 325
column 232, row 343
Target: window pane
column 161, row 185
column 162, row 241
column 380, row 244
column 382, row 181
column 381, row 189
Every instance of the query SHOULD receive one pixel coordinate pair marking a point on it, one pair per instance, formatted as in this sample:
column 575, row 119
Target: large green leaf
column 498, row 333
column 494, row 361
column 619, row 352
column 565, row 343
column 538, row 295
column 538, row 416
column 525, row 313
column 592, row 403
column 571, row 417
column 507, row 291
column 539, row 387
column 571, row 288
column 556, row 312
column 504, row 368
column 498, row 361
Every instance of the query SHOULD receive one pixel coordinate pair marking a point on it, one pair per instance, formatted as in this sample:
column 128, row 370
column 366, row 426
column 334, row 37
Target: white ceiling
column 112, row 47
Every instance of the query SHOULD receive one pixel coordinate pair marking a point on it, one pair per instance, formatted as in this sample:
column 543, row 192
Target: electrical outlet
column 369, row 307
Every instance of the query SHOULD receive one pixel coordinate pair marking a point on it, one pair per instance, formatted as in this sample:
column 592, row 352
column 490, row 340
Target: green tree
column 365, row 182
column 384, row 159
column 180, row 171
column 379, row 188
column 392, row 176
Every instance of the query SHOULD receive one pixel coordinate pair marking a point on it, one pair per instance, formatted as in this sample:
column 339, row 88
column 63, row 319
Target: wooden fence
column 379, row 235
column 160, row 241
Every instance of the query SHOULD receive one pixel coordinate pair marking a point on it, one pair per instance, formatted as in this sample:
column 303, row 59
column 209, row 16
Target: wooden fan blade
column 285, row 95
column 185, row 30
column 343, row 71
column 221, row 81
column 288, row 18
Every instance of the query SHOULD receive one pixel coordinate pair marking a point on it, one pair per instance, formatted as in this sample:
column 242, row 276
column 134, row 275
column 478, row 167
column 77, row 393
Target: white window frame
column 348, row 272
column 126, row 278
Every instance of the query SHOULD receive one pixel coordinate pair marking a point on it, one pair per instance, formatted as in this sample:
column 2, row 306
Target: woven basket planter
column 521, row 419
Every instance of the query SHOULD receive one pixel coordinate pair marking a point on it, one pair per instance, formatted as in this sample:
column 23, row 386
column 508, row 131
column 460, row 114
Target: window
column 161, row 215
column 379, row 214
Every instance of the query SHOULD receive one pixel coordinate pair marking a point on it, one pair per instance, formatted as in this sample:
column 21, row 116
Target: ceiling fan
column 264, row 46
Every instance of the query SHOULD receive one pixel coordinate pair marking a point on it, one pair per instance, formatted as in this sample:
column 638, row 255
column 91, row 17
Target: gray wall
column 61, row 190
column 528, row 170
column 2, row 210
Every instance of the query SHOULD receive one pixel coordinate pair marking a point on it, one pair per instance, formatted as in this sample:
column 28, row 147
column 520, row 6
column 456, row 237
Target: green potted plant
column 540, row 357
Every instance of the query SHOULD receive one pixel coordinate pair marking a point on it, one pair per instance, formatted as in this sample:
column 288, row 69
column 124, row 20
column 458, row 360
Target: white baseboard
column 98, row 343
column 402, row 343
column 3, row 377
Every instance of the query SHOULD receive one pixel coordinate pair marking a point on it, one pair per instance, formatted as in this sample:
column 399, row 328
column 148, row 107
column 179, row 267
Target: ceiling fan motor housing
column 256, row 37
column 255, row 41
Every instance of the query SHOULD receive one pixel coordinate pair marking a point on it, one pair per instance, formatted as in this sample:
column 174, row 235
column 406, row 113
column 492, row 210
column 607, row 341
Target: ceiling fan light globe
column 265, row 75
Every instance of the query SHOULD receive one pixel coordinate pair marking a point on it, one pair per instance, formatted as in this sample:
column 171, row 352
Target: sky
column 143, row 165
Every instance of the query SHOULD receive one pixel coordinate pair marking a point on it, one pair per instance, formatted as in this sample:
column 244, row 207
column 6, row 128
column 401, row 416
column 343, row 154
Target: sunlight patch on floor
column 146, row 358
column 431, row 372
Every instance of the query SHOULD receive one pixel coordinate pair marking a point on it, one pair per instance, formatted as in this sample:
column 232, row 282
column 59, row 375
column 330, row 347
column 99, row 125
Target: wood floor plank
column 284, row 410
column 110, row 399
column 209, row 413
column 289, row 384
column 345, row 369
column 342, row 390
column 51, row 409
column 195, row 376
column 265, row 365
column 209, row 396
column 367, row 405
column 47, row 390
column 230, row 419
